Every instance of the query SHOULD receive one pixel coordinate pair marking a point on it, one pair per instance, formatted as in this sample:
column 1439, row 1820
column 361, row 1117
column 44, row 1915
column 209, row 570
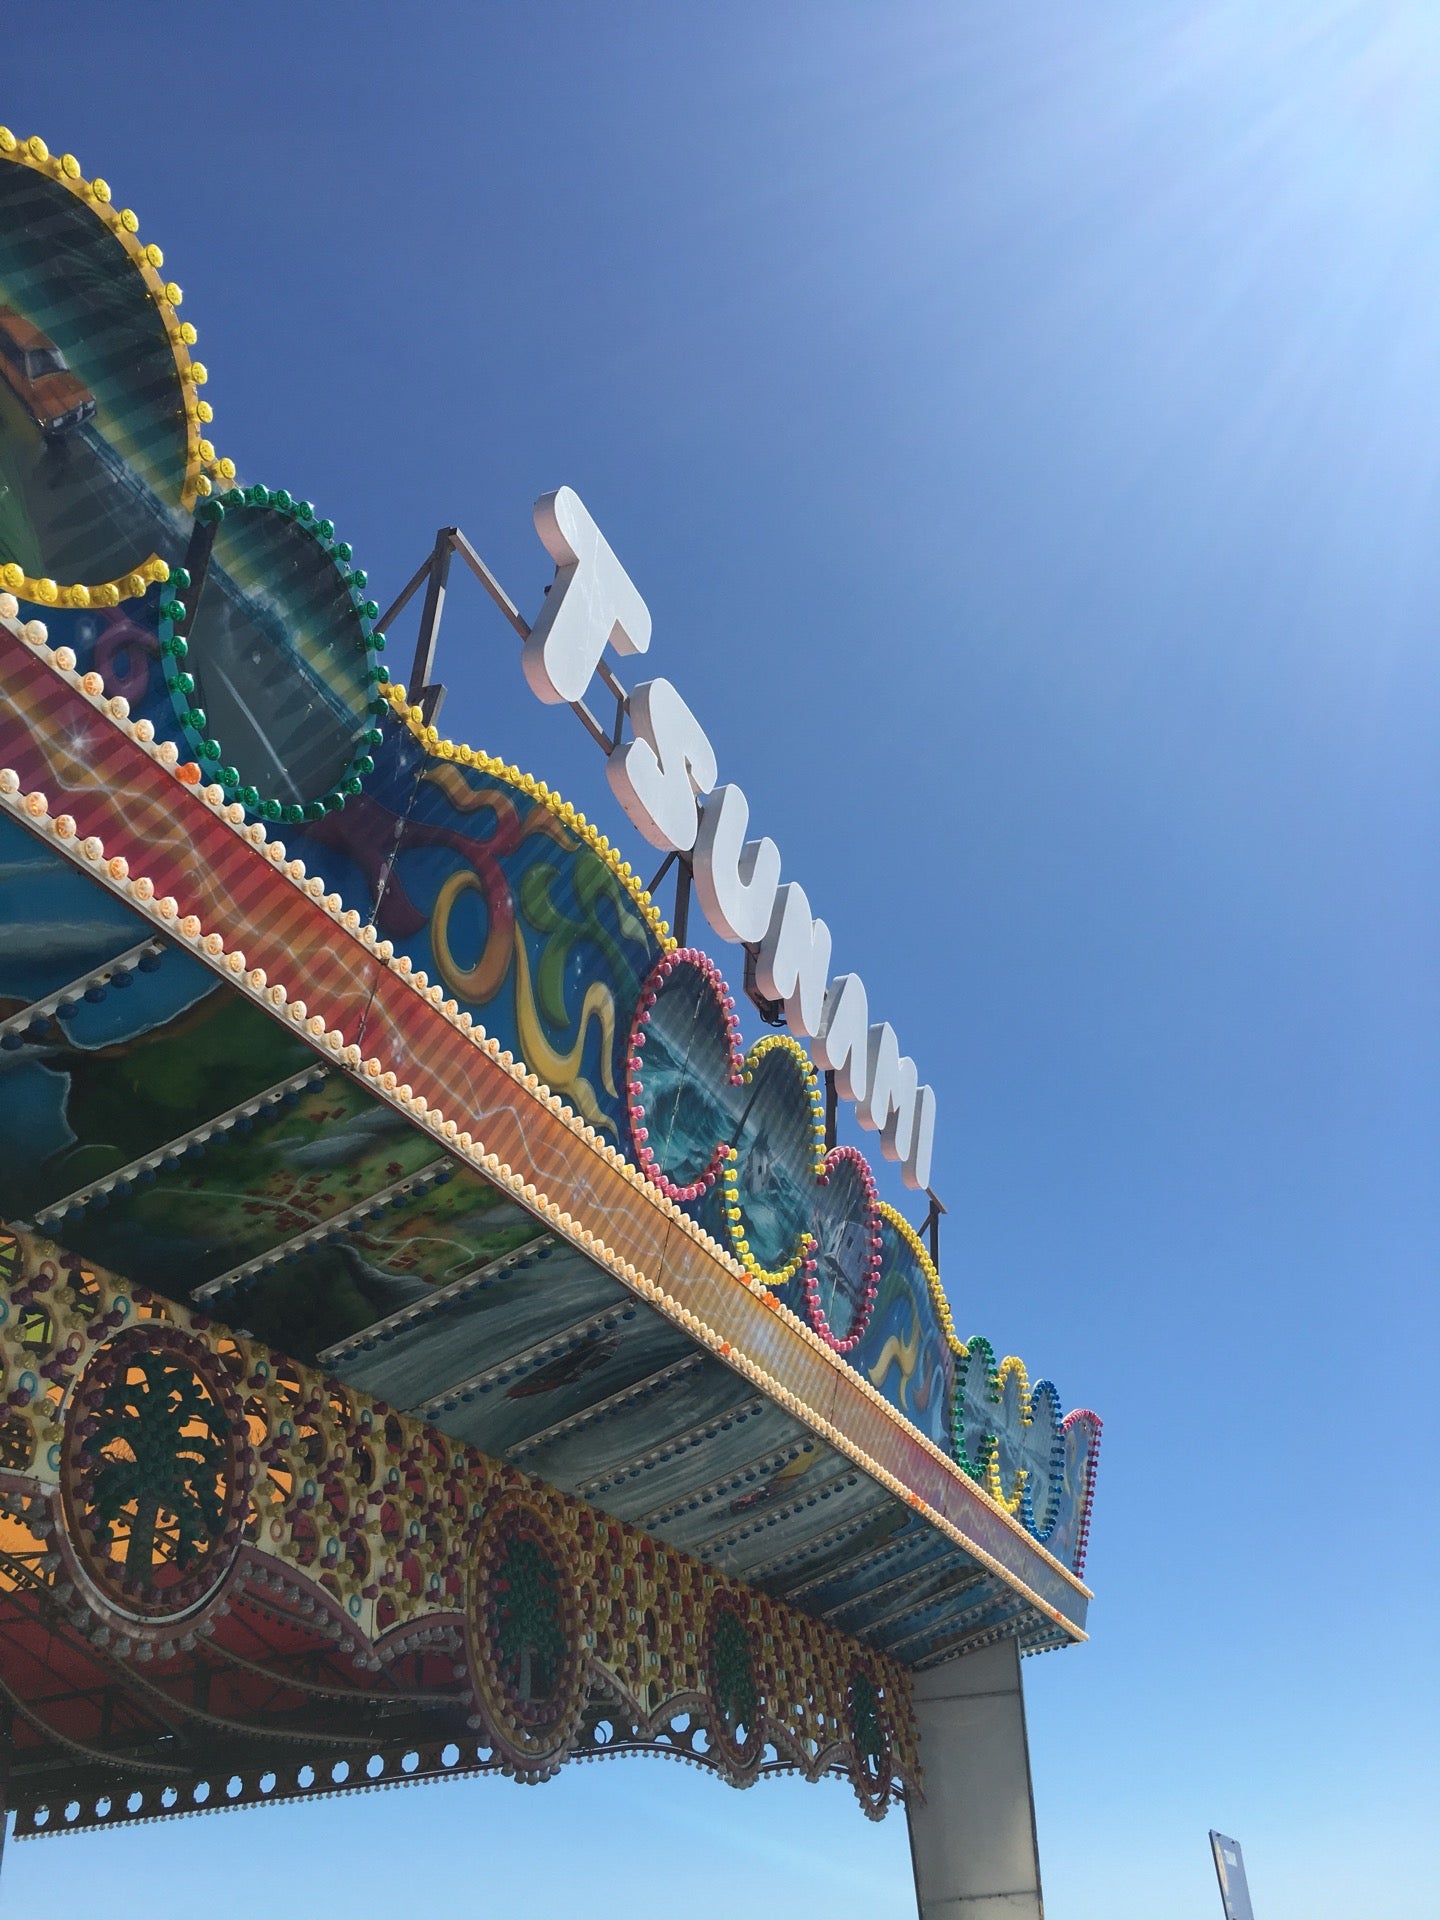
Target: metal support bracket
column 680, row 923
column 422, row 688
column 434, row 575
column 772, row 1012
column 930, row 1226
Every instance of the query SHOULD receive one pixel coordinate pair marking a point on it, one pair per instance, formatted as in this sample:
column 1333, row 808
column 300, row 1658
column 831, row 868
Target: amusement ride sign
column 666, row 777
column 431, row 1336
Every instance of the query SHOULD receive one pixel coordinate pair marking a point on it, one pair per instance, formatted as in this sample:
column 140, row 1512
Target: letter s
column 657, row 775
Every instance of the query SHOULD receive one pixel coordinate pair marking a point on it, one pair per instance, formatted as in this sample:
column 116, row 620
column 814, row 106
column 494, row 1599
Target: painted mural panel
column 231, row 622
column 473, row 1328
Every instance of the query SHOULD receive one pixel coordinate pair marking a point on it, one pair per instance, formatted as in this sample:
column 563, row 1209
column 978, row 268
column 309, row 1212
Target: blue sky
column 1024, row 424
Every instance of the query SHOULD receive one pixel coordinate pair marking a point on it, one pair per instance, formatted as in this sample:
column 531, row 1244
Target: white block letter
column 592, row 604
column 916, row 1169
column 736, row 878
column 842, row 1044
column 794, row 959
column 657, row 775
column 895, row 1107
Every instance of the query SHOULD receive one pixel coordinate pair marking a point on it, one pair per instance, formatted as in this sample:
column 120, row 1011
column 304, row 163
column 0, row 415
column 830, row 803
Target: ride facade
column 433, row 1339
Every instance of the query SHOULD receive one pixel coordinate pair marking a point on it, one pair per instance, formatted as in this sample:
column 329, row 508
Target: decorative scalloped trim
column 803, row 1258
column 343, row 1602
column 440, row 748
column 1083, row 1416
column 147, row 260
column 211, row 948
column 1042, row 1526
column 784, row 1043
column 804, row 1253
column 976, row 1468
column 1011, row 1365
column 634, row 1065
column 174, row 649
column 872, row 1284
column 987, row 1470
column 927, row 1266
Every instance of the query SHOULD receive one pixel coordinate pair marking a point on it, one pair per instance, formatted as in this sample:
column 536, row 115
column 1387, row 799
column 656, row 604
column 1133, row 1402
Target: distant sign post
column 1230, row 1870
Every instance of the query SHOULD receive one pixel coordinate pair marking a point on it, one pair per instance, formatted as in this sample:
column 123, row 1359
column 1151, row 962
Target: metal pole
column 683, row 871
column 488, row 581
column 424, row 663
column 932, row 1222
column 406, row 595
column 972, row 1838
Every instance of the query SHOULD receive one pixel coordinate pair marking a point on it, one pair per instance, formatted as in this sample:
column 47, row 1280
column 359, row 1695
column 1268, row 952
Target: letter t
column 593, row 603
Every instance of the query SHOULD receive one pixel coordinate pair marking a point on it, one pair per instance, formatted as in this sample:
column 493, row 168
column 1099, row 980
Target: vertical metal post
column 680, row 926
column 932, row 1228
column 1230, row 1871
column 972, row 1838
column 427, row 695
column 832, row 1108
